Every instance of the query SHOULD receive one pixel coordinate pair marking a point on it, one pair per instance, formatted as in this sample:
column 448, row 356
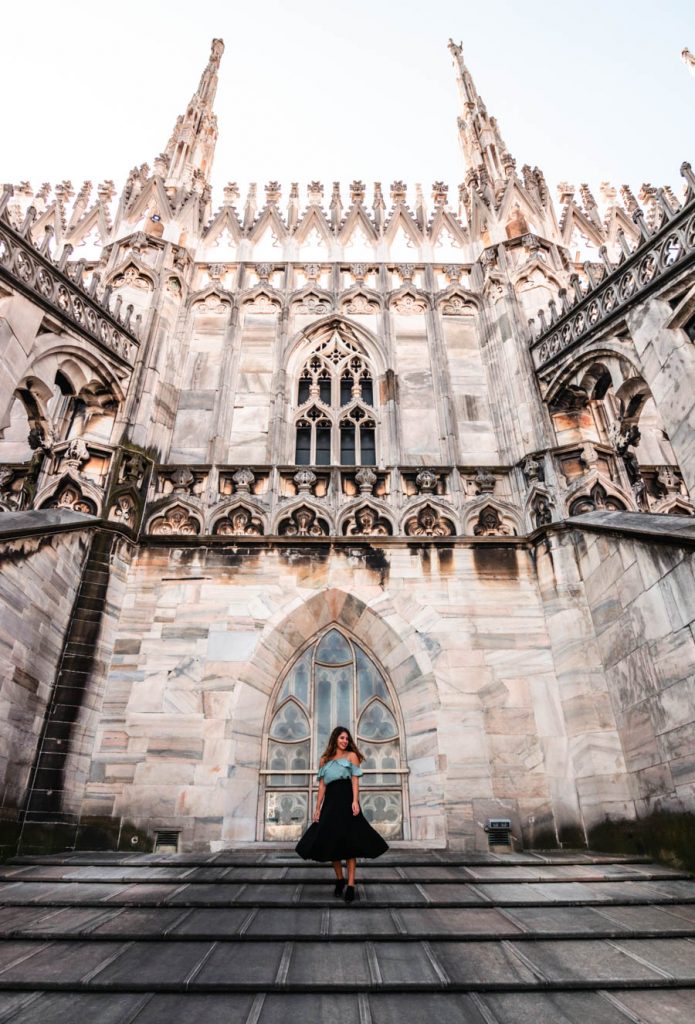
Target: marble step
column 618, row 1006
column 262, row 940
column 229, row 965
column 342, row 923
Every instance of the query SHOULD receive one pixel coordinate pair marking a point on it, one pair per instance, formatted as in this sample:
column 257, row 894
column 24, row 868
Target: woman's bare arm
column 354, row 759
column 319, row 798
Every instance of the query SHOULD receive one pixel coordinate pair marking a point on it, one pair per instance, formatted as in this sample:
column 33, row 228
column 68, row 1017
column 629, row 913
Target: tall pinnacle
column 187, row 159
column 482, row 144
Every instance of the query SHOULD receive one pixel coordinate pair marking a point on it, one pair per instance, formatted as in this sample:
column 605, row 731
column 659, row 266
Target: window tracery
column 333, row 681
column 336, row 414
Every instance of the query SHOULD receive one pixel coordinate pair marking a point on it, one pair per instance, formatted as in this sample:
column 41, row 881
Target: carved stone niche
column 366, row 522
column 365, row 482
column 542, row 512
column 239, row 522
column 491, row 524
column 429, row 522
column 303, row 522
column 175, row 520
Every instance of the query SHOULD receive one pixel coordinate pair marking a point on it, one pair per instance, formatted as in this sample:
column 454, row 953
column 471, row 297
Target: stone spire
column 187, row 160
column 483, row 146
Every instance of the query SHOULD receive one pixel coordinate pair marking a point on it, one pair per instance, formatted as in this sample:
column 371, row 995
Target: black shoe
column 349, row 893
column 339, row 886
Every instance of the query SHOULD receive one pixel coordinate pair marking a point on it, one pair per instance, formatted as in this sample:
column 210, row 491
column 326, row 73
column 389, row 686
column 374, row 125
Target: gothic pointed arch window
column 335, row 419
column 333, row 682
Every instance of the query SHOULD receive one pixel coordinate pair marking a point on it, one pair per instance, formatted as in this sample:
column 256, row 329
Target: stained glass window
column 333, row 682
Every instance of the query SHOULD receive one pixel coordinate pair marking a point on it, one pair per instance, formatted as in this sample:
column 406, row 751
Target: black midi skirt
column 339, row 834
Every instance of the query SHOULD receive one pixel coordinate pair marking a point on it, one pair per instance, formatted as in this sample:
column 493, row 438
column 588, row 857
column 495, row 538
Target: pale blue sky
column 358, row 89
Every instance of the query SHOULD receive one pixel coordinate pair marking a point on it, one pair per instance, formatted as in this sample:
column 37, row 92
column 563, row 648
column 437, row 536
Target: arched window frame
column 377, row 783
column 332, row 427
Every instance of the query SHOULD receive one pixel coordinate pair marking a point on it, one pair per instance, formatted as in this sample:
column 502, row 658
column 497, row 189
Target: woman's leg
column 351, row 868
column 338, row 868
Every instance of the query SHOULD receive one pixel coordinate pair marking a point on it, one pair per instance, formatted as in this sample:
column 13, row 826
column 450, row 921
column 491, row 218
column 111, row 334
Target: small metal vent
column 499, row 832
column 166, row 841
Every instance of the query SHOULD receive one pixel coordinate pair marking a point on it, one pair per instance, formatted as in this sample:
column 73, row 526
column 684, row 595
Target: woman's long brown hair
column 332, row 745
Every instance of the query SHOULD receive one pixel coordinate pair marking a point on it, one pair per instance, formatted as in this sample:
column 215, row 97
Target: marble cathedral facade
column 421, row 464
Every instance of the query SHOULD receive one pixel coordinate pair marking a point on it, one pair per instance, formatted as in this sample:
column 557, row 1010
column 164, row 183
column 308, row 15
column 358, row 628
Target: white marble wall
column 39, row 577
column 205, row 633
column 641, row 599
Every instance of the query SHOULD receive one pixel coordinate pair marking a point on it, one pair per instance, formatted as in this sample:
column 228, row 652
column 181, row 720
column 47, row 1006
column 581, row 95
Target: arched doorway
column 332, row 682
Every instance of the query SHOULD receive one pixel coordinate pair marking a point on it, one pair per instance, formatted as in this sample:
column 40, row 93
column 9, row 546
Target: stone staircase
column 258, row 938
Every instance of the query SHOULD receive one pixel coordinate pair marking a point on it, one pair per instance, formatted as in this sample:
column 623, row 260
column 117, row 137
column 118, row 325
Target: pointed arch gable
column 444, row 220
column 153, row 191
column 225, row 220
column 402, row 220
column 269, row 218
column 314, row 218
column 536, row 265
column 574, row 219
column 136, row 264
column 357, row 218
column 366, row 341
column 515, row 193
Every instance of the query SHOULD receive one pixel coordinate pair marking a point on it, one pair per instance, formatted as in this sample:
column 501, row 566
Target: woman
column 340, row 831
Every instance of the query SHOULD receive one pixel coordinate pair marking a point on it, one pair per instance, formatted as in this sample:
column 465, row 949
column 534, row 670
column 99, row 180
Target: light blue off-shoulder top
column 339, row 768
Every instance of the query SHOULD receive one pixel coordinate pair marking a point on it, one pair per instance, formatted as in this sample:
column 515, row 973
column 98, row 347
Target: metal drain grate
column 499, row 832
column 166, row 841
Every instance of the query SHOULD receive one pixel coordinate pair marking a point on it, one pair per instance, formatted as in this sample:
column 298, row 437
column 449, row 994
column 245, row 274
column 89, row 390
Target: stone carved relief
column 410, row 305
column 426, row 481
column 133, row 468
column 10, row 490
column 311, row 304
column 429, row 523
column 262, row 304
column 484, row 482
column 456, row 306
column 182, row 480
column 76, row 454
column 669, row 482
column 176, row 520
column 490, row 524
column 70, row 497
column 366, row 522
column 534, row 470
column 303, row 522
column 542, row 510
column 305, row 480
column 360, row 305
column 597, row 498
column 243, row 480
column 123, row 511
column 239, row 522
column 365, row 478
column 212, row 303
column 132, row 278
